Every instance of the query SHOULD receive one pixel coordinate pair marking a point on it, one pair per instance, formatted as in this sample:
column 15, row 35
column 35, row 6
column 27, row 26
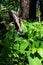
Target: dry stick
column 39, row 10
column 16, row 17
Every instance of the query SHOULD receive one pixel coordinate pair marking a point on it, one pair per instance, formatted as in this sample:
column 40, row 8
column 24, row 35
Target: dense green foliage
column 19, row 49
column 5, row 9
column 22, row 49
column 10, row 4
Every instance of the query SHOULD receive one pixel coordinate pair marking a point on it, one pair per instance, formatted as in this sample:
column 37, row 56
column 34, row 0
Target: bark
column 28, row 9
column 25, row 6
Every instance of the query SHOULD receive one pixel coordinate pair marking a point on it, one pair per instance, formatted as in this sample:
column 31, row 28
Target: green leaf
column 24, row 28
column 34, row 61
column 33, row 50
column 22, row 51
column 16, row 46
column 41, row 46
column 40, row 51
column 6, row 1
column 30, row 60
column 24, row 44
column 12, row 28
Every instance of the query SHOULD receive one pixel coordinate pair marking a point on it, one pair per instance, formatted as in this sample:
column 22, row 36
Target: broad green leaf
column 40, row 51
column 34, row 61
column 28, row 53
column 37, row 61
column 30, row 60
column 24, row 28
column 24, row 44
column 41, row 46
column 22, row 51
column 33, row 50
